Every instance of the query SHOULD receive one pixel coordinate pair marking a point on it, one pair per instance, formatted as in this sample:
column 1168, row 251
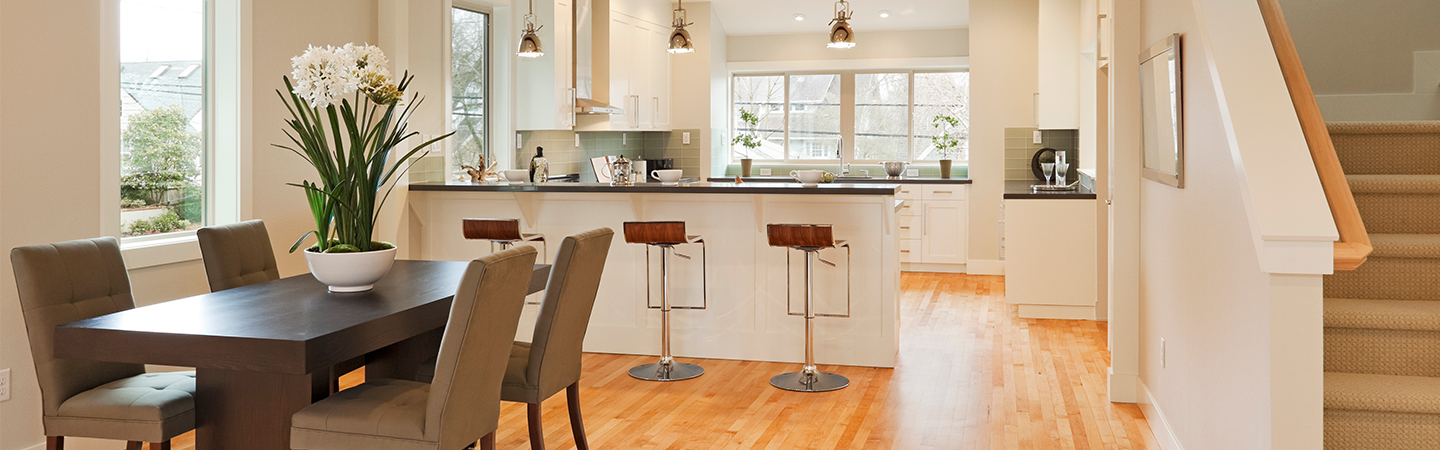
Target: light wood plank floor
column 971, row 375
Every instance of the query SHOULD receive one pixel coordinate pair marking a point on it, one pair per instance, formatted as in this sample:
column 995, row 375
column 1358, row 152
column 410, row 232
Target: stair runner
column 1382, row 321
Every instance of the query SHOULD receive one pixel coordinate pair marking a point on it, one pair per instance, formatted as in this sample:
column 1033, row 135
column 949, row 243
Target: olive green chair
column 69, row 281
column 550, row 362
column 237, row 254
column 462, row 405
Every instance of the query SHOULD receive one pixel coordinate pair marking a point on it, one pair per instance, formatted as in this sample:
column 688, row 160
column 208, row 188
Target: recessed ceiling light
column 799, row 17
column 884, row 14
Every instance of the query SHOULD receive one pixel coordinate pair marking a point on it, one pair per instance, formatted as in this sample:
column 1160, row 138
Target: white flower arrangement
column 326, row 76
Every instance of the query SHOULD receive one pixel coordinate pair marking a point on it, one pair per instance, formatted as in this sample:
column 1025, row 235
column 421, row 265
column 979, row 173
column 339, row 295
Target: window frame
column 848, row 108
column 210, row 214
column 448, row 144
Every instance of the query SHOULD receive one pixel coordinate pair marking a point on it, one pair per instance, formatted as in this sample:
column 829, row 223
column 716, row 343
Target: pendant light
column 680, row 38
column 530, row 42
column 841, row 36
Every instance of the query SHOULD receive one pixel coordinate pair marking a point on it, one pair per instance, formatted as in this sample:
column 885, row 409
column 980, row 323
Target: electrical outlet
column 685, row 138
column 518, row 144
column 765, row 172
column 1162, row 353
column 912, row 172
column 577, row 140
column 623, row 138
column 4, row 385
column 1037, row 137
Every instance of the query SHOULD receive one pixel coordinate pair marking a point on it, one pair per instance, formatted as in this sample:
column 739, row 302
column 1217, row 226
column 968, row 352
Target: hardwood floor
column 971, row 375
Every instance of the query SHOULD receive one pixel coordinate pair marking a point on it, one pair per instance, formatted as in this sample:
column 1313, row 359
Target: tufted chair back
column 237, row 254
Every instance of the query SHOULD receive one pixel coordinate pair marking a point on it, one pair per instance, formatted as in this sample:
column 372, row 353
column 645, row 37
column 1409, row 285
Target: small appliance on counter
column 539, row 167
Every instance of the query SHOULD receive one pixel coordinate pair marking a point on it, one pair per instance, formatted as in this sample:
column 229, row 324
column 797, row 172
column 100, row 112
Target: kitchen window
column 163, row 116
column 469, row 84
column 817, row 117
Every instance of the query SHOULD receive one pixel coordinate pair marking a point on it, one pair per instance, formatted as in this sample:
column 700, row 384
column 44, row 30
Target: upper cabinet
column 545, row 85
column 1057, row 100
column 639, row 77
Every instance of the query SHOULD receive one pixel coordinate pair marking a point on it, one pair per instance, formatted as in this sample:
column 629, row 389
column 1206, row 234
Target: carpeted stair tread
column 1417, row 315
column 1391, row 393
column 1405, row 246
column 1398, row 127
column 1394, row 184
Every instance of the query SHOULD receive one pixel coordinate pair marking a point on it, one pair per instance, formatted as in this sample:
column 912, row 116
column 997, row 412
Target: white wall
column 1361, row 57
column 56, row 129
column 1241, row 365
column 698, row 83
column 869, row 45
column 1003, row 77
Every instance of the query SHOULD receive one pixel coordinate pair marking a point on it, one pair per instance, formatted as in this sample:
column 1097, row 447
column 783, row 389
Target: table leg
column 249, row 410
column 402, row 359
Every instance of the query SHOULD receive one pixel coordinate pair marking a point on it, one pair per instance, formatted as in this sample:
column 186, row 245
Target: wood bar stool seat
column 505, row 232
column 810, row 239
column 666, row 235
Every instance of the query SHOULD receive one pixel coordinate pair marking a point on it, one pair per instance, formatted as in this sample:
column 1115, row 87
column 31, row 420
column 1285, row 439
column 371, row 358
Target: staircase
column 1382, row 320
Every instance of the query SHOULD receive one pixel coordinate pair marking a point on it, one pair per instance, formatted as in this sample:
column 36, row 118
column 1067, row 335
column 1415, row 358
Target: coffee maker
column 652, row 165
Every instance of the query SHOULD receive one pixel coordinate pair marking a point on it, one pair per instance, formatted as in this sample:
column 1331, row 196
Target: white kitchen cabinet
column 545, row 84
column 659, row 95
column 1057, row 98
column 622, row 56
column 933, row 227
column 1050, row 255
column 639, row 77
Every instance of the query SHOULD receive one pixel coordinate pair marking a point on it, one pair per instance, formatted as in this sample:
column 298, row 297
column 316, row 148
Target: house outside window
column 163, row 103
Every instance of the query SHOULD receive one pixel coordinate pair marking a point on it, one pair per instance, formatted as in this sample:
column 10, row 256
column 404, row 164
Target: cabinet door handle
column 944, row 192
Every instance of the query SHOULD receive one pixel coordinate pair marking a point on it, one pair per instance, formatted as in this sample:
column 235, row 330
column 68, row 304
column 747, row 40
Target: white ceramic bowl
column 808, row 177
column 350, row 272
column 668, row 176
column 517, row 176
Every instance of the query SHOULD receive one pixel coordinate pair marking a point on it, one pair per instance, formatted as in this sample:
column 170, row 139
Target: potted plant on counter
column 945, row 142
column 347, row 117
column 750, row 140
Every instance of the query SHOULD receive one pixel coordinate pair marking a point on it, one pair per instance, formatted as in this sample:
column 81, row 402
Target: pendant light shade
column 680, row 38
column 841, row 35
column 530, row 42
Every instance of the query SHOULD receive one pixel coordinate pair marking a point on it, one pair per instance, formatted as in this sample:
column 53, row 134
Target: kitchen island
column 745, row 290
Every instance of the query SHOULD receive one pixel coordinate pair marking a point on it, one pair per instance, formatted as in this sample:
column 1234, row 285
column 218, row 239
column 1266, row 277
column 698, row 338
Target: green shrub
column 163, row 223
column 131, row 203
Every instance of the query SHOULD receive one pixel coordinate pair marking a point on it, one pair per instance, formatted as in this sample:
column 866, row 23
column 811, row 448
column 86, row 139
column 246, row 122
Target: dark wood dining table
column 264, row 351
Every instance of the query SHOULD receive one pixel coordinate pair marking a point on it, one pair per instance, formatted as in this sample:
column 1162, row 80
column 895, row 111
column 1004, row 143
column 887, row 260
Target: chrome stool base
column 676, row 371
column 810, row 382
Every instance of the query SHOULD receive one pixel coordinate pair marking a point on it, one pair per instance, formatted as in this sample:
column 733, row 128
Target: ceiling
column 757, row 17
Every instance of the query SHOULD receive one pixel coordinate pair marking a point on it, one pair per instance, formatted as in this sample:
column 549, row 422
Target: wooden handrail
column 1354, row 245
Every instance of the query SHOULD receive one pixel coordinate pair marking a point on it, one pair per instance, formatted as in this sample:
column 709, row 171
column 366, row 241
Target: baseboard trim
column 1123, row 388
column 930, row 267
column 985, row 267
column 37, row 447
column 1156, row 418
column 1056, row 312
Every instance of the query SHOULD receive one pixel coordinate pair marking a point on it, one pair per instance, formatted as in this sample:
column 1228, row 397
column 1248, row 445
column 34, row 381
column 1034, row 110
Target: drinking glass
column 1049, row 170
column 1061, row 169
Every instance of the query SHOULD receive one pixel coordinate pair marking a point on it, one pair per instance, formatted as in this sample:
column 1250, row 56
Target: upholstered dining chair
column 462, row 405
column 550, row 362
column 69, row 281
column 237, row 254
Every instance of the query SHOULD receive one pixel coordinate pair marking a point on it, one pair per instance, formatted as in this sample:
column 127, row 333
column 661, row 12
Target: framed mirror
column 1161, row 101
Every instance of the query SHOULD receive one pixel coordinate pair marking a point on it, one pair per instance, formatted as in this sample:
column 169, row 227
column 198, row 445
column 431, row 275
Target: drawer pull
column 944, row 192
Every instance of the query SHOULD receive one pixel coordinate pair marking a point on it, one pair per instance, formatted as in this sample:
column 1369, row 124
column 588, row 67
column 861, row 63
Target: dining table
column 264, row 351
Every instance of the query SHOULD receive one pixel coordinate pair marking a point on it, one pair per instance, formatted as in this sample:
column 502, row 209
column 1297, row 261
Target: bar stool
column 505, row 232
column 665, row 235
column 809, row 239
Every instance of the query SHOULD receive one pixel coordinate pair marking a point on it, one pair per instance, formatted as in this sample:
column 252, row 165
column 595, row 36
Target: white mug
column 668, row 176
column 808, row 177
column 517, row 176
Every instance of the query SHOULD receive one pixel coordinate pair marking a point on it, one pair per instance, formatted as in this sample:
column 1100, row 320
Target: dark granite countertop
column 879, row 180
column 657, row 188
column 1020, row 190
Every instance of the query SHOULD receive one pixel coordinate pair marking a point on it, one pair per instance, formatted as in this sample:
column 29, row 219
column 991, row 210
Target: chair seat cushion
column 386, row 412
column 150, row 397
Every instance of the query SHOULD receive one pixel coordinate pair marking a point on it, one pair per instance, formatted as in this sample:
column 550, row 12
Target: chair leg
column 160, row 445
column 54, row 442
column 537, row 432
column 134, row 445
column 577, row 426
column 488, row 442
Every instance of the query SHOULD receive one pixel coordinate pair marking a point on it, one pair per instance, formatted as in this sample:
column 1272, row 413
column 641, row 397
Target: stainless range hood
column 592, row 59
